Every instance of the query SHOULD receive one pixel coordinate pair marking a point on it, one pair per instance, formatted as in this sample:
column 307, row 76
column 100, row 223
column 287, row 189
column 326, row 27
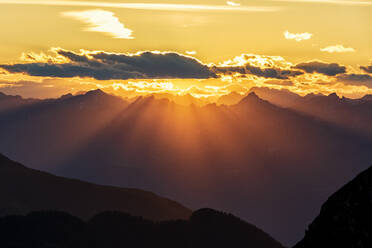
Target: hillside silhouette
column 205, row 228
column 24, row 190
column 345, row 219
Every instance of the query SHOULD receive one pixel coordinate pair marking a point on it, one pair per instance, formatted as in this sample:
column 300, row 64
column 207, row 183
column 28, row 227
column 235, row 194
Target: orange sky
column 241, row 42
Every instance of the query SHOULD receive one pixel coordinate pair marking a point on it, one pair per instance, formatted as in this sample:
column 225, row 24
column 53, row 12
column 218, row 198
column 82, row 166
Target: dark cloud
column 356, row 79
column 280, row 82
column 106, row 66
column 276, row 73
column 331, row 69
column 367, row 69
column 73, row 56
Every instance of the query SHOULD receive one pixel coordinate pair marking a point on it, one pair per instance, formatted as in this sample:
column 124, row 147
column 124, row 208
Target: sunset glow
column 266, row 55
column 117, row 115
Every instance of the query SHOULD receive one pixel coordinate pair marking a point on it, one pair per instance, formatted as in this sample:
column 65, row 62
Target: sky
column 206, row 49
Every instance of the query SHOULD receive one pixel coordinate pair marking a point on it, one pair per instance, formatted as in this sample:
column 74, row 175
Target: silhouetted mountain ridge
column 24, row 190
column 205, row 228
column 56, row 126
column 352, row 114
column 8, row 102
column 345, row 219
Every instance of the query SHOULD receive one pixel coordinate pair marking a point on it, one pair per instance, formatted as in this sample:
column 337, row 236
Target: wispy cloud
column 145, row 6
column 231, row 3
column 101, row 21
column 338, row 2
column 337, row 49
column 297, row 36
column 191, row 52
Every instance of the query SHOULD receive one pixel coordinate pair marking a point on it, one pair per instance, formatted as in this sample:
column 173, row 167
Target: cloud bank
column 356, row 79
column 107, row 66
column 147, row 65
column 328, row 69
column 247, row 69
column 276, row 73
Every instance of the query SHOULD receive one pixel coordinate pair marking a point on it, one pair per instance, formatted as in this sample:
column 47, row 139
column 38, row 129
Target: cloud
column 231, row 3
column 191, row 52
column 276, row 73
column 367, row 69
column 297, row 36
column 258, row 65
column 144, row 6
column 331, row 69
column 280, row 82
column 101, row 21
column 356, row 79
column 107, row 66
column 143, row 87
column 337, row 49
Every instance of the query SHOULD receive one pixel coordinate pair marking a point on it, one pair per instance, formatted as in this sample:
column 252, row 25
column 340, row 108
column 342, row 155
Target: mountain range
column 247, row 158
column 353, row 114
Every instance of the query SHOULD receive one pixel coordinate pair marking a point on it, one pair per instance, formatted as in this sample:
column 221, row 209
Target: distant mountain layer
column 352, row 114
column 8, row 103
column 205, row 228
column 23, row 190
column 345, row 220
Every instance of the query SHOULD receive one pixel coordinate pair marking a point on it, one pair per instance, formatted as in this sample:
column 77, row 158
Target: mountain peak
column 230, row 99
column 333, row 96
column 367, row 97
column 253, row 94
column 97, row 92
column 251, row 98
column 65, row 96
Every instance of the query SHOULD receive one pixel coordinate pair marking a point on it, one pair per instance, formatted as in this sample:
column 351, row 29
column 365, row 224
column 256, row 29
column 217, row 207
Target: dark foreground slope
column 23, row 190
column 345, row 219
column 205, row 228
